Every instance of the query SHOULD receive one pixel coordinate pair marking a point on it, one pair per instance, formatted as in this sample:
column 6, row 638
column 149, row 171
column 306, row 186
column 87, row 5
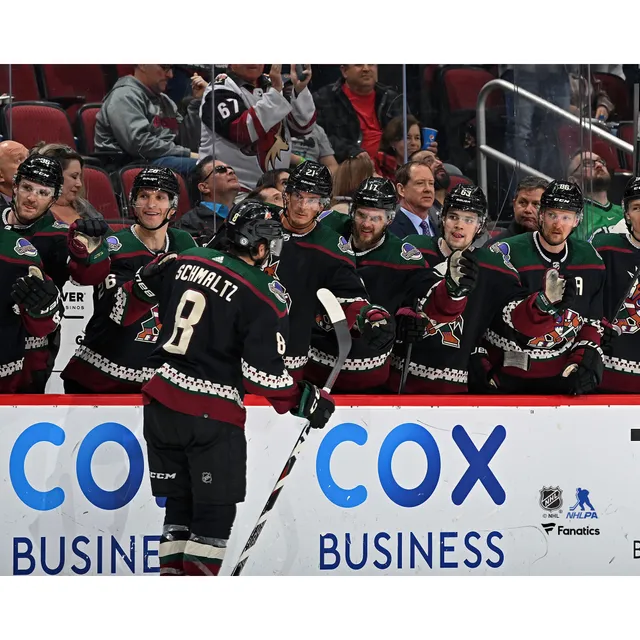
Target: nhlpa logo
column 551, row 498
column 450, row 333
column 150, row 327
column 629, row 320
column 504, row 249
column 113, row 244
column 567, row 327
column 25, row 248
column 582, row 500
column 409, row 252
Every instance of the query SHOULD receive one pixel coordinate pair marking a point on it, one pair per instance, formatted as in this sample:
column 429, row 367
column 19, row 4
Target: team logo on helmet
column 505, row 250
column 278, row 290
column 113, row 244
column 25, row 248
column 344, row 246
column 409, row 252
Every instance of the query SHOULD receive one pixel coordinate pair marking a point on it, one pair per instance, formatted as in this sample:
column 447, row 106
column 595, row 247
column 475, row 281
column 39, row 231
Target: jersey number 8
column 183, row 325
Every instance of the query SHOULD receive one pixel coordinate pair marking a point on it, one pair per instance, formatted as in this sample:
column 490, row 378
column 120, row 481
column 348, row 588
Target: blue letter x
column 478, row 465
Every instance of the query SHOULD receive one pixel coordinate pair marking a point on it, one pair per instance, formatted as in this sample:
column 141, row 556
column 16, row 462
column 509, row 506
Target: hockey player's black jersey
column 439, row 362
column 395, row 275
column 621, row 256
column 112, row 356
column 318, row 259
column 17, row 326
column 550, row 353
column 224, row 331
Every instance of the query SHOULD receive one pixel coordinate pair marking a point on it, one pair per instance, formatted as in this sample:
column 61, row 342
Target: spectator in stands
column 581, row 88
column 276, row 178
column 440, row 175
column 355, row 110
column 12, row 154
column 416, row 193
column 348, row 177
column 218, row 186
column 526, row 205
column 71, row 205
column 600, row 216
column 254, row 120
column 139, row 120
column 268, row 195
column 314, row 146
column 392, row 146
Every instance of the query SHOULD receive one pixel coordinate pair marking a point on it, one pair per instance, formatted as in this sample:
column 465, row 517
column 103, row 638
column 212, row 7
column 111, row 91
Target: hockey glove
column 610, row 333
column 376, row 327
column 316, row 405
column 411, row 326
column 585, row 372
column 462, row 274
column 37, row 295
column 85, row 236
column 558, row 294
column 481, row 378
column 148, row 279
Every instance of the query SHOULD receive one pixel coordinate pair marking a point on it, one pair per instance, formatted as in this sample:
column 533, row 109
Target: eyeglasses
column 165, row 67
column 361, row 216
column 563, row 218
column 468, row 220
column 589, row 162
column 223, row 168
column 308, row 200
column 41, row 194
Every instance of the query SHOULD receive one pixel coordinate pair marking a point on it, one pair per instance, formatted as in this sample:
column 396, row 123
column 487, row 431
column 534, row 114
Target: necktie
column 425, row 228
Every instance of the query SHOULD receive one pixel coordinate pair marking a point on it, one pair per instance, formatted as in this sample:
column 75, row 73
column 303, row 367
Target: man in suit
column 416, row 191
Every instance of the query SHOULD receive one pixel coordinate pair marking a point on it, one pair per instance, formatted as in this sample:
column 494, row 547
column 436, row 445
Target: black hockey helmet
column 310, row 177
column 251, row 222
column 563, row 195
column 41, row 170
column 631, row 193
column 466, row 197
column 158, row 179
column 376, row 193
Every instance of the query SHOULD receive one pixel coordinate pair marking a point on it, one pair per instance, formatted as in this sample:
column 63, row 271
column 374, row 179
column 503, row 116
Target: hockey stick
column 339, row 322
column 407, row 358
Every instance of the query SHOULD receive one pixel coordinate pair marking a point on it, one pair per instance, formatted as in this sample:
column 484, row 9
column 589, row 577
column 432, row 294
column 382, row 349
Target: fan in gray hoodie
column 138, row 119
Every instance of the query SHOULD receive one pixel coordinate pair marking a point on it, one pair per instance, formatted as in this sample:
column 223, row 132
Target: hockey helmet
column 631, row 193
column 251, row 222
column 310, row 177
column 563, row 195
column 41, row 170
column 466, row 197
column 156, row 179
column 376, row 193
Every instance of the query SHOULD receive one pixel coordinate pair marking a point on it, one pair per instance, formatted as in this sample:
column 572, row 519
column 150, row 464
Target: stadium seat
column 118, row 226
column 125, row 69
column 618, row 91
column 24, row 85
column 456, row 180
column 127, row 175
column 99, row 192
column 625, row 132
column 571, row 141
column 33, row 122
column 86, row 126
column 462, row 86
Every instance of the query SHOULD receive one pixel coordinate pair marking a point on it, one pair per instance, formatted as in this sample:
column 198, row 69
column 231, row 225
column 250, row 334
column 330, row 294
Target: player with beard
column 65, row 251
column 600, row 215
column 621, row 256
column 112, row 356
column 440, row 362
column 567, row 359
column 394, row 274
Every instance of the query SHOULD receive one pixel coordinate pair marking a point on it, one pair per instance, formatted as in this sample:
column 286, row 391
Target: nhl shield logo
column 551, row 498
column 206, row 477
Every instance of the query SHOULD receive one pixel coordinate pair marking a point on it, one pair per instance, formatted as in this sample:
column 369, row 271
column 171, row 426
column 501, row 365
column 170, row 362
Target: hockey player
column 31, row 308
column 112, row 356
column 64, row 252
column 440, row 362
column 567, row 359
column 395, row 275
column 313, row 257
column 224, row 328
column 621, row 256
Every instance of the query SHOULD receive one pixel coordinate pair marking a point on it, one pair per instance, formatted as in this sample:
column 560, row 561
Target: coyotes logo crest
column 270, row 147
column 629, row 320
column 150, row 327
column 567, row 327
column 450, row 333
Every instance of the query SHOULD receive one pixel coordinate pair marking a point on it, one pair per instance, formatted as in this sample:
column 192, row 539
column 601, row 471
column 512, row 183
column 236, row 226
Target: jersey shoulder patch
column 113, row 243
column 409, row 252
column 422, row 242
column 497, row 255
column 24, row 248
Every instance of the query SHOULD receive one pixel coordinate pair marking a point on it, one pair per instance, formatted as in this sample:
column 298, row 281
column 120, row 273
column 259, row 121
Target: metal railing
column 484, row 151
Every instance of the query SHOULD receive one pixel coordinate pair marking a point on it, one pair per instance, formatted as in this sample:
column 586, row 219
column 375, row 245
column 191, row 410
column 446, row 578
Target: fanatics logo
column 206, row 477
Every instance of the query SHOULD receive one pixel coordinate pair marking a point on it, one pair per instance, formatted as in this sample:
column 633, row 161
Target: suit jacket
column 403, row 227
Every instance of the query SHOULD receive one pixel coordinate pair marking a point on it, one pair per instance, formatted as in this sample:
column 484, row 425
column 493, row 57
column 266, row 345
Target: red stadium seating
column 127, row 175
column 456, row 180
column 618, row 91
column 24, row 85
column 625, row 132
column 33, row 122
column 462, row 86
column 86, row 126
column 99, row 192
